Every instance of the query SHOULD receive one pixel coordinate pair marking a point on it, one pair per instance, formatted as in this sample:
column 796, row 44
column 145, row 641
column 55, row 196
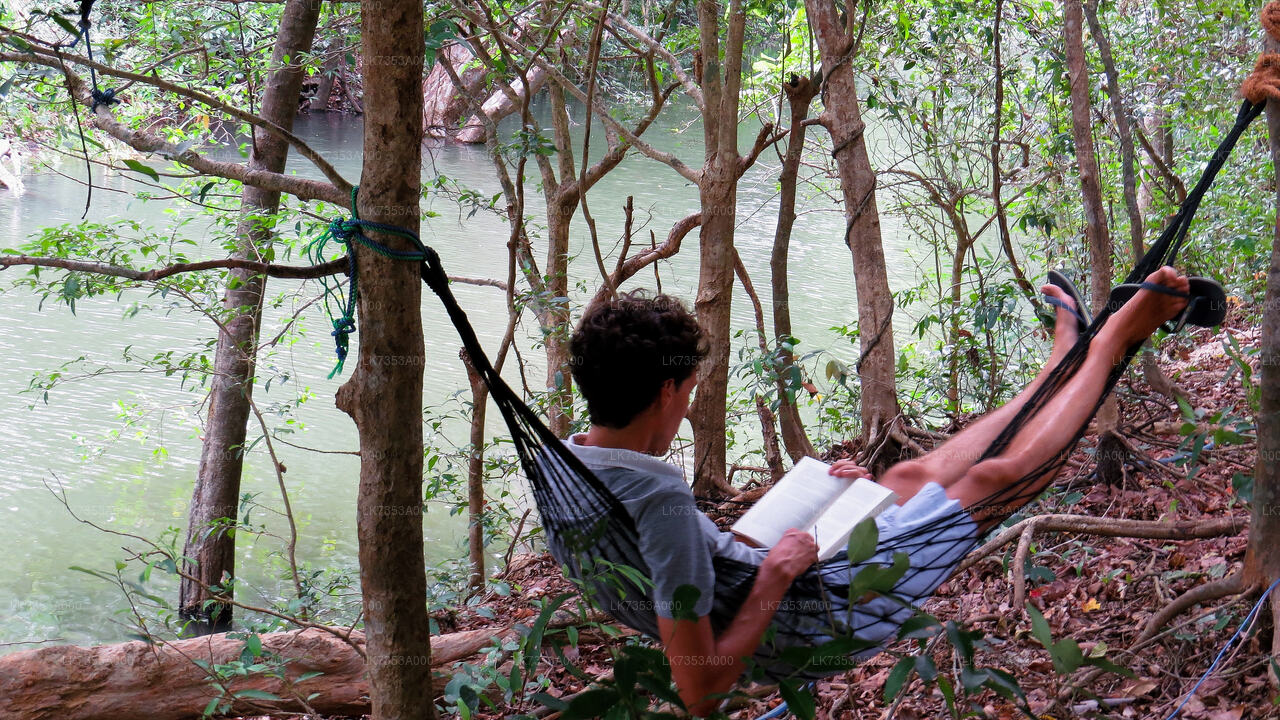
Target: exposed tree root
column 1232, row 584
column 1110, row 527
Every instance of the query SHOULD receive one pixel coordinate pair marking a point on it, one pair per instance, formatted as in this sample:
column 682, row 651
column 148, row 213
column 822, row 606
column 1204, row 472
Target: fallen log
column 164, row 682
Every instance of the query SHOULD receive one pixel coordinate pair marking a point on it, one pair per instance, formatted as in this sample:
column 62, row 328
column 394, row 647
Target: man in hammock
column 634, row 360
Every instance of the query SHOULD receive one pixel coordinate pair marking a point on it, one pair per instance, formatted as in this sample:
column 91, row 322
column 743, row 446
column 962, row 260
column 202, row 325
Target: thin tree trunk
column 475, row 474
column 800, row 92
column 1262, row 562
column 217, row 490
column 997, row 173
column 384, row 394
column 1155, row 377
column 1111, row 451
column 768, row 431
column 842, row 117
column 324, row 85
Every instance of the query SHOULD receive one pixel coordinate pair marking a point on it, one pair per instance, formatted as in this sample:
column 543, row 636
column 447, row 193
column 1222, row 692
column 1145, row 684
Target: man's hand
column 792, row 555
column 849, row 469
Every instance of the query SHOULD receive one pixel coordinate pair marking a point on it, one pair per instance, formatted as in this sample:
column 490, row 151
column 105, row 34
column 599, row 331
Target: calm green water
column 109, row 467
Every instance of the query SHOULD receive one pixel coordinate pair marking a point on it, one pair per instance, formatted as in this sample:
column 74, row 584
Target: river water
column 99, row 437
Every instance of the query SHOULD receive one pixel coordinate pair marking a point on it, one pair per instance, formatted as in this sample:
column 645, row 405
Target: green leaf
column 799, row 700
column 683, row 602
column 925, row 668
column 1105, row 664
column 863, row 541
column 1067, row 657
column 554, row 703
column 1040, row 627
column 533, row 643
column 18, row 42
column 877, row 578
column 64, row 23
column 898, row 678
column 590, row 704
column 919, row 626
column 7, row 86
column 138, row 167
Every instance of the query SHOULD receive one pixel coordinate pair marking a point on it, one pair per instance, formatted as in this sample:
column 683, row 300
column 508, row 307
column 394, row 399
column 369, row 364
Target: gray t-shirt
column 676, row 540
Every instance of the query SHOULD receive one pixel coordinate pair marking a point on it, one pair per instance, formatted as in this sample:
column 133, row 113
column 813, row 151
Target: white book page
column 864, row 499
column 794, row 502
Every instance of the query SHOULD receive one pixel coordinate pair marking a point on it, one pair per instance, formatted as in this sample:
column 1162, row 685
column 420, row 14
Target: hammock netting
column 594, row 538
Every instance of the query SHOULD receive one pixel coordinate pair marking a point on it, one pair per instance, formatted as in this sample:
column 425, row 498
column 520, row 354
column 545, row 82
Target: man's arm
column 703, row 665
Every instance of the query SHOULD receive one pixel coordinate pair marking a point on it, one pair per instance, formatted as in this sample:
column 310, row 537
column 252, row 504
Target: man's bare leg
column 948, row 463
column 1054, row 427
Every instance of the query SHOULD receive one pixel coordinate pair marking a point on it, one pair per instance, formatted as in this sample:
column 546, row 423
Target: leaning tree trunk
column 217, row 490
column 444, row 105
column 800, row 92
column 1262, row 562
column 1111, row 453
column 842, row 117
column 384, row 394
column 164, row 682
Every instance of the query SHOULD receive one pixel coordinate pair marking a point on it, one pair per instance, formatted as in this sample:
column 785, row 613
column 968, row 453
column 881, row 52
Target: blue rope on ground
column 782, row 708
column 1247, row 621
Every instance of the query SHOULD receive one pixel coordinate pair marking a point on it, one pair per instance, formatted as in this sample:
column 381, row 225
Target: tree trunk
column 163, row 682
column 444, row 105
column 499, row 105
column 1262, row 562
column 842, row 117
column 324, row 85
column 475, row 474
column 217, row 490
column 384, row 394
column 1111, row 453
column 718, row 197
column 800, row 93
column 553, row 315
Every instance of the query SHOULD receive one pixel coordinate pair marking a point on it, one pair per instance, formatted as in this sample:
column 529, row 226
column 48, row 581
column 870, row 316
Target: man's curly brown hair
column 625, row 348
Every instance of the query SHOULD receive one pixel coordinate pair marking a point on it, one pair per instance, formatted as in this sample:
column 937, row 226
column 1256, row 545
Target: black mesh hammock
column 593, row 536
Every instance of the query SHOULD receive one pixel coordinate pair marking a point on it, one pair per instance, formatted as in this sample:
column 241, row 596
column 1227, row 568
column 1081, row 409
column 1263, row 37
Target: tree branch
column 1109, row 527
column 647, row 257
column 644, row 148
column 55, row 58
column 291, row 272
column 146, row 142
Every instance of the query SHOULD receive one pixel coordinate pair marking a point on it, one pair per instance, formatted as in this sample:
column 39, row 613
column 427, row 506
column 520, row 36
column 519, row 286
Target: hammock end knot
column 1270, row 19
column 342, row 329
column 1264, row 82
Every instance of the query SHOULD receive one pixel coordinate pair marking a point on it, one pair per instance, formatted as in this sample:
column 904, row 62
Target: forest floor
column 1101, row 591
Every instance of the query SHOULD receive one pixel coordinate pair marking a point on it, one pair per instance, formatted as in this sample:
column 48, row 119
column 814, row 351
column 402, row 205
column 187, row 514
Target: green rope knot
column 344, row 231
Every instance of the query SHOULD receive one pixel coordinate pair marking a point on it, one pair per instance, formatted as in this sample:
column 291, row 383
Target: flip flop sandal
column 1206, row 306
column 1081, row 311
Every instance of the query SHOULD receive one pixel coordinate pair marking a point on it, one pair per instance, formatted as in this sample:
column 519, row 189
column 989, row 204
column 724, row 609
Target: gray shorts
column 934, row 531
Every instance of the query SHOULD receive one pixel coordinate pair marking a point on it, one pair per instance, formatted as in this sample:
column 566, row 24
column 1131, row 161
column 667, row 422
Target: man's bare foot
column 1066, row 325
column 1147, row 310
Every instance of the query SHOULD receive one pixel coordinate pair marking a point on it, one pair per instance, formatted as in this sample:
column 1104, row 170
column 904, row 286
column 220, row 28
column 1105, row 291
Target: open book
column 809, row 499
